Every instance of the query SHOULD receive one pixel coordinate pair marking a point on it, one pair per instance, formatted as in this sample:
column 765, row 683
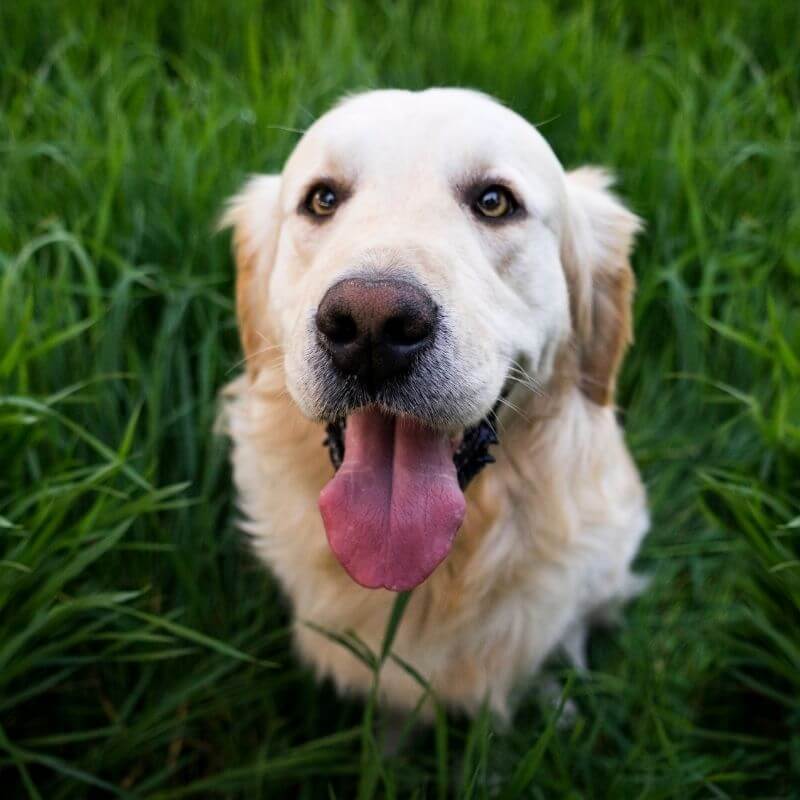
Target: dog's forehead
column 449, row 130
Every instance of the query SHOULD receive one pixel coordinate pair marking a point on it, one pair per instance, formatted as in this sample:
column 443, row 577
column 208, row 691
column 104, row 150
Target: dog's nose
column 374, row 328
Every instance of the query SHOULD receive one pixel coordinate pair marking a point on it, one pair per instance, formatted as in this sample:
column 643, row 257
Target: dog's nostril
column 406, row 330
column 342, row 329
column 338, row 327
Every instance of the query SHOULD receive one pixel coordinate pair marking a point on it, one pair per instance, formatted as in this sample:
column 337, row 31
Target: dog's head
column 418, row 252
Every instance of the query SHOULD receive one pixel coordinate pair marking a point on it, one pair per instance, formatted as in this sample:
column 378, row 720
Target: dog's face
column 418, row 252
column 446, row 192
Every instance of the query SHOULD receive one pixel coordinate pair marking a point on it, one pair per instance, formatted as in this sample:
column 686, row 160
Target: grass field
column 143, row 653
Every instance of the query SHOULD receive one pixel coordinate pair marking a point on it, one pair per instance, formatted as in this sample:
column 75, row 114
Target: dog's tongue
column 392, row 510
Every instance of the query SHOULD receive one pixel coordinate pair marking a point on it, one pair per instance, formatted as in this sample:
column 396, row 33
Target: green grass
column 143, row 653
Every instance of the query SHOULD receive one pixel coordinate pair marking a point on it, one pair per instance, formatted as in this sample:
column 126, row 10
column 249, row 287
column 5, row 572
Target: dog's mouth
column 394, row 506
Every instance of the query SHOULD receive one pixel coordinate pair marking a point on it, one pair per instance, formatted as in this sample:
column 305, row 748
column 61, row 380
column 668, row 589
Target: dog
column 424, row 268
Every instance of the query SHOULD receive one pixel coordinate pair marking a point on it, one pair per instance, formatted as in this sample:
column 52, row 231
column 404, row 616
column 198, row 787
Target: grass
column 143, row 653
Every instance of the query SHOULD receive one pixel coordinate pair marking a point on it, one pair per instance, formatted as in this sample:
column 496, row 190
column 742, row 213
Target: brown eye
column 321, row 201
column 495, row 202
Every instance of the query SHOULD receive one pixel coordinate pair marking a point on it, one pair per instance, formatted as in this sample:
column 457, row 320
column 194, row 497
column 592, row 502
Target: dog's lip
column 469, row 445
column 386, row 406
column 469, row 448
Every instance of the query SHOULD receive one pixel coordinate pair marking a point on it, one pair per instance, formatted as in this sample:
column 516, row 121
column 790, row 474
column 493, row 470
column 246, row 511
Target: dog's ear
column 253, row 214
column 596, row 246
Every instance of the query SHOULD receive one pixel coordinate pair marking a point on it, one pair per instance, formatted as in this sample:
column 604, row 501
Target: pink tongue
column 392, row 510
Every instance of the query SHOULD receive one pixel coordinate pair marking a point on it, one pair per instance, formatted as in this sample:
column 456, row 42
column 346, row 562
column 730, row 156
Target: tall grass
column 143, row 653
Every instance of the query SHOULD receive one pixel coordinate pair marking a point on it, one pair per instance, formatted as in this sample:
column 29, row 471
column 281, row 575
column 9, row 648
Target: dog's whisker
column 521, row 369
column 286, row 128
column 527, row 384
column 508, row 404
column 546, row 121
column 251, row 356
column 516, row 370
column 496, row 429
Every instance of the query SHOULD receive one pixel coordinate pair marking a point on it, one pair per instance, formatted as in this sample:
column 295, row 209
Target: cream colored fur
column 552, row 527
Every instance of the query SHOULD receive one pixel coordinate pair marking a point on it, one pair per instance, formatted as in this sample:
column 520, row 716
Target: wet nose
column 373, row 328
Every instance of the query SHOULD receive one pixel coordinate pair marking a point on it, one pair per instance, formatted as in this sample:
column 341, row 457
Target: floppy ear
column 595, row 253
column 253, row 215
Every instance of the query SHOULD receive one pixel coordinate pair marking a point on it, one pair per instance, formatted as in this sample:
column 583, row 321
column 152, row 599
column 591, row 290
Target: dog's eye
column 321, row 201
column 495, row 202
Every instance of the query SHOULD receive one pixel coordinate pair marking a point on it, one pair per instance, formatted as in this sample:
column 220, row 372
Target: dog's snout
column 374, row 328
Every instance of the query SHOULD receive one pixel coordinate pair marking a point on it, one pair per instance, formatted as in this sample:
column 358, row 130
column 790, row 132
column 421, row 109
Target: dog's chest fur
column 547, row 543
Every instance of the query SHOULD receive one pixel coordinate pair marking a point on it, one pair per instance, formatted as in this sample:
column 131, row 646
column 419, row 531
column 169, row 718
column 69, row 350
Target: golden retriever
column 424, row 272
